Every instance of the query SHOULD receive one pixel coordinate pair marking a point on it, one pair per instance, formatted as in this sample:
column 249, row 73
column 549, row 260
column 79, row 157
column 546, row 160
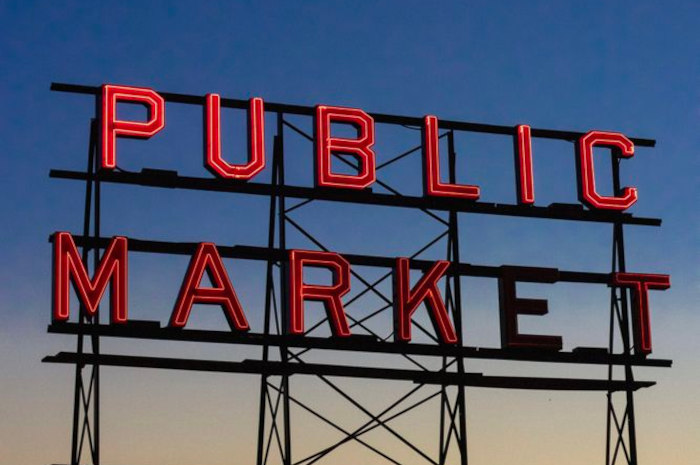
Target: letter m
column 68, row 267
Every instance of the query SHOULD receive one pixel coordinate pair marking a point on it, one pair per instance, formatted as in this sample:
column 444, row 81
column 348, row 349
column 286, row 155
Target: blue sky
column 624, row 66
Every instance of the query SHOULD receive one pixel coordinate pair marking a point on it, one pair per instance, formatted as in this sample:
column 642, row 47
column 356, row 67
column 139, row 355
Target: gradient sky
column 632, row 67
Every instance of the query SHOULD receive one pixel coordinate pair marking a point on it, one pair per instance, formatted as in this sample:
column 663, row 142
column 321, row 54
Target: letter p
column 111, row 127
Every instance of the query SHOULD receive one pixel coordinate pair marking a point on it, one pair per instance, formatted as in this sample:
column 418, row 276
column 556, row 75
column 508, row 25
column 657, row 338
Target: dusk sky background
column 627, row 66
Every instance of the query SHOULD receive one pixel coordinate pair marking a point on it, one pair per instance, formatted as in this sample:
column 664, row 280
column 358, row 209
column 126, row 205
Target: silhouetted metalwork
column 275, row 398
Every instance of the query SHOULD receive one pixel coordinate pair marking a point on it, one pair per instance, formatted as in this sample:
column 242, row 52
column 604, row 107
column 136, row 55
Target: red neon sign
column 586, row 172
column 111, row 127
column 511, row 306
column 68, row 267
column 432, row 185
column 325, row 145
column 113, row 269
column 640, row 283
column 361, row 148
column 329, row 295
column 214, row 161
column 523, row 165
column 207, row 259
column 407, row 300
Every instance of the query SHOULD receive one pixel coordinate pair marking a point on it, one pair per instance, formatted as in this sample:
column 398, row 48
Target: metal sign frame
column 276, row 400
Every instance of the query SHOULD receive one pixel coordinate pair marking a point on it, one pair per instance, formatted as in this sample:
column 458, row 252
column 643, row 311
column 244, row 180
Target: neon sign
column 420, row 289
column 326, row 144
column 406, row 300
column 113, row 267
column 68, row 267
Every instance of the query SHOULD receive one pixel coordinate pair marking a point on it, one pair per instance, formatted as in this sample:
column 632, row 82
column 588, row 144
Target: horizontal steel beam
column 358, row 343
column 378, row 117
column 271, row 368
column 172, row 180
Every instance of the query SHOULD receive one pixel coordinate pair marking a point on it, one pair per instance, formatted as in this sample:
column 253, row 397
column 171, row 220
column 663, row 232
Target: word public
column 325, row 145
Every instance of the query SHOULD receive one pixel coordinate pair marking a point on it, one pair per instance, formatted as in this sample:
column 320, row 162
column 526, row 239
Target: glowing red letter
column 523, row 165
column 113, row 127
column 67, row 267
column 407, row 300
column 207, row 259
column 640, row 285
column 329, row 295
column 360, row 148
column 256, row 140
column 511, row 306
column 431, row 167
column 586, row 172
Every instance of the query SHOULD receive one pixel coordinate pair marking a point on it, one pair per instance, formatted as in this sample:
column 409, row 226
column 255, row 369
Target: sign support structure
column 276, row 396
column 86, row 396
column 282, row 355
column 620, row 314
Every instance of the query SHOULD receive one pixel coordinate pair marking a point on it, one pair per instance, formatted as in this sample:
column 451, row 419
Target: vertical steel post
column 620, row 310
column 284, row 354
column 443, row 404
column 629, row 376
column 96, row 321
column 269, row 289
column 457, row 308
column 80, row 410
column 611, row 366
